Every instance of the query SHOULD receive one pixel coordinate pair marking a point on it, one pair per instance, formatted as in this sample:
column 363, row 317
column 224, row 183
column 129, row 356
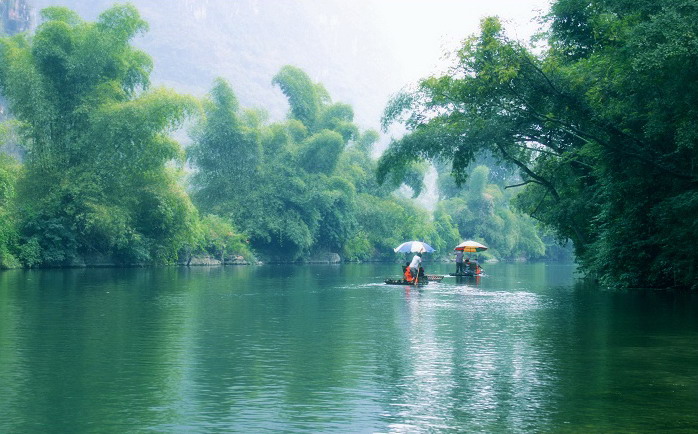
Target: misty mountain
column 246, row 42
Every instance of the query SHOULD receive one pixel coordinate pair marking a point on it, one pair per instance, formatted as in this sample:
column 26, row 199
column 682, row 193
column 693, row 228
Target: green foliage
column 365, row 142
column 245, row 173
column 304, row 97
column 356, row 166
column 600, row 126
column 103, row 177
column 480, row 211
column 9, row 172
column 164, row 217
column 358, row 247
column 30, row 253
column 311, row 187
column 220, row 239
column 387, row 222
column 96, row 177
column 445, row 235
column 227, row 150
column 320, row 152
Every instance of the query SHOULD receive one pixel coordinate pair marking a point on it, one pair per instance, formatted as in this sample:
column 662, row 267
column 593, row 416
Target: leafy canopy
column 600, row 127
column 96, row 178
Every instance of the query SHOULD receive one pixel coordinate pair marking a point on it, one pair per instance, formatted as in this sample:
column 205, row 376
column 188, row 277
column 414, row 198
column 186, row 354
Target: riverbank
column 207, row 260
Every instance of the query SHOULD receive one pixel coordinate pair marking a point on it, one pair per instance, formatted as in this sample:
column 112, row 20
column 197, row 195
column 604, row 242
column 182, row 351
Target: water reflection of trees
column 309, row 348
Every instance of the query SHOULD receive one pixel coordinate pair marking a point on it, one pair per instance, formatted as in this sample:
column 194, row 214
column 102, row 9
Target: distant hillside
column 247, row 41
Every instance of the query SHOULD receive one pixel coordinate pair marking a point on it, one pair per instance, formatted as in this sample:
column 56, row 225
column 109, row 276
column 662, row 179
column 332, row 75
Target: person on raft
column 475, row 266
column 415, row 264
column 459, row 262
column 406, row 273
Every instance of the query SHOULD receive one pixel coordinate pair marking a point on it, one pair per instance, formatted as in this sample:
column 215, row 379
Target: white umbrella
column 414, row 247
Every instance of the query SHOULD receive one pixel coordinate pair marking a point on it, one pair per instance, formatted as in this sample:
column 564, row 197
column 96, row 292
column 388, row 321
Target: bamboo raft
column 404, row 282
column 434, row 277
column 424, row 280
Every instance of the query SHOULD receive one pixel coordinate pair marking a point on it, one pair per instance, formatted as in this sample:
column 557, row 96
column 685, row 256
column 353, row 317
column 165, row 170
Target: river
column 330, row 348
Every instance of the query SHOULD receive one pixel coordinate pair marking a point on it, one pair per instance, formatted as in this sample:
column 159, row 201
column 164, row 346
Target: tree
column 301, row 186
column 96, row 177
column 276, row 182
column 598, row 126
column 320, row 152
column 481, row 211
column 304, row 97
column 386, row 222
column 227, row 150
column 9, row 172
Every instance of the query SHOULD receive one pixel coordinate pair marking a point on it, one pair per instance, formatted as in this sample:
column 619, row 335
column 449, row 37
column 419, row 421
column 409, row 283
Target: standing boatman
column 459, row 262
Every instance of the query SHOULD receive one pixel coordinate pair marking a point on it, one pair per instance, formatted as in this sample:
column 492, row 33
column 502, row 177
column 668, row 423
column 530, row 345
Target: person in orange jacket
column 408, row 275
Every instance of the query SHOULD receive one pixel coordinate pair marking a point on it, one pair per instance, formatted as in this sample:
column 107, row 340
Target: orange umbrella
column 471, row 246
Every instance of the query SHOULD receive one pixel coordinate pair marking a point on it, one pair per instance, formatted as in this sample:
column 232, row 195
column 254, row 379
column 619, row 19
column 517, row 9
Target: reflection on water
column 330, row 348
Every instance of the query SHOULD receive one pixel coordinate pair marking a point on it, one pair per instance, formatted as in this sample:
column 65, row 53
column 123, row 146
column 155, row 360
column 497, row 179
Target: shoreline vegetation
column 588, row 144
column 210, row 261
column 107, row 183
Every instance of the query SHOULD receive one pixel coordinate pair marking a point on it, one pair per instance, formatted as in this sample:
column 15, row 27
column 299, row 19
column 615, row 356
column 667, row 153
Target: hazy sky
column 419, row 30
column 363, row 51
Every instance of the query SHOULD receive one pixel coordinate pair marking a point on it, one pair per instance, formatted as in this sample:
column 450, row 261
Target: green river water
column 330, row 348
